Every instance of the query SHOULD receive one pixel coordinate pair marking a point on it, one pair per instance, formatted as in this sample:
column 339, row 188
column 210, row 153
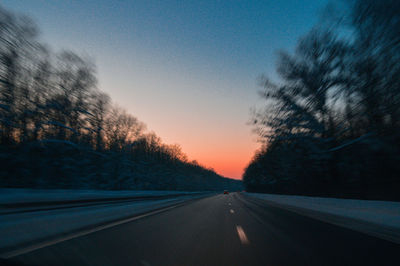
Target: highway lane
column 220, row 230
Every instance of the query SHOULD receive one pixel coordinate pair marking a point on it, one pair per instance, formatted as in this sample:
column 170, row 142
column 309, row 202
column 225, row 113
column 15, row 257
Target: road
column 220, row 230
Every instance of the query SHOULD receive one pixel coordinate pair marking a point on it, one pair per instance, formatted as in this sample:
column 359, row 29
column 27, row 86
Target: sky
column 188, row 69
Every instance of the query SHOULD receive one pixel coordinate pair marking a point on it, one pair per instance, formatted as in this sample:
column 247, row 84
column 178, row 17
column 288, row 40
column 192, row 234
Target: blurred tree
column 331, row 125
column 57, row 130
column 100, row 105
column 17, row 40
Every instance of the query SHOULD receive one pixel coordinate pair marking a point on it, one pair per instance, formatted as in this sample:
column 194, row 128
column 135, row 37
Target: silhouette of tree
column 331, row 125
column 57, row 130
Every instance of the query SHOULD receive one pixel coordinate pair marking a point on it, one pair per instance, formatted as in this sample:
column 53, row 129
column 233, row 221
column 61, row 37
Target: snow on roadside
column 22, row 195
column 385, row 213
column 19, row 229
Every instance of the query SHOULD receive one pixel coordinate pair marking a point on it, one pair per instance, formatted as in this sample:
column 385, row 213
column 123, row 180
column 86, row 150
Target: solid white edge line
column 14, row 253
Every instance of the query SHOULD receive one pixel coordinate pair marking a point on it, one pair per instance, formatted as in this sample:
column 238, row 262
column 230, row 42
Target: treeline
column 57, row 130
column 331, row 126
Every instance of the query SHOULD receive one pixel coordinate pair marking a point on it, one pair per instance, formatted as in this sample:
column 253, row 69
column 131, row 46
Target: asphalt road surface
column 220, row 230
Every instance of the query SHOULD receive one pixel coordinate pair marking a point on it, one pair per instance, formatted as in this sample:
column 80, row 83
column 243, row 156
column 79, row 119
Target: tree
column 57, row 130
column 333, row 120
column 122, row 128
column 100, row 106
column 17, row 41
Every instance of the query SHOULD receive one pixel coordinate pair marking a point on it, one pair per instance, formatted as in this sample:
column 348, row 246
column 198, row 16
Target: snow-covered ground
column 20, row 196
column 378, row 218
column 21, row 228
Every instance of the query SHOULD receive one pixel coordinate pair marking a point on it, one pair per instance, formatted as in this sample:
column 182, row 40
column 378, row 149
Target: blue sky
column 188, row 69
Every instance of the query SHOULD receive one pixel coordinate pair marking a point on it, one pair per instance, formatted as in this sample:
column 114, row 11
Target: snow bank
column 22, row 229
column 20, row 196
column 378, row 218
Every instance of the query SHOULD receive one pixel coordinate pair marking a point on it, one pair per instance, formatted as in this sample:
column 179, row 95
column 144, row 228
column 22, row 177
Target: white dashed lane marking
column 242, row 235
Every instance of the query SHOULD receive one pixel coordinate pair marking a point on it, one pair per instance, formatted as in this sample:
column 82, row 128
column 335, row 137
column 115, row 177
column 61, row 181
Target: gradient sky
column 188, row 69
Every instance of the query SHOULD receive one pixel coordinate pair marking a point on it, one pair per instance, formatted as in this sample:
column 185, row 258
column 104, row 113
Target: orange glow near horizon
column 192, row 77
column 227, row 155
column 232, row 169
column 228, row 164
